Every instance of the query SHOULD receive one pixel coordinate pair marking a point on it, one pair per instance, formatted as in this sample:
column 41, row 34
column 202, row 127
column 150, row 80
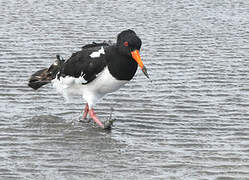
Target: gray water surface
column 191, row 122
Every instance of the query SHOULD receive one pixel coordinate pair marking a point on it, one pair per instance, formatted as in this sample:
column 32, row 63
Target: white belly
column 91, row 92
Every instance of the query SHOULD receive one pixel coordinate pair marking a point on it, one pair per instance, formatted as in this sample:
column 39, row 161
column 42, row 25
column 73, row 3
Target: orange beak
column 136, row 56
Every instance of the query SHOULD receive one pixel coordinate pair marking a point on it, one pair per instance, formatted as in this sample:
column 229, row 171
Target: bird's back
column 87, row 63
column 83, row 63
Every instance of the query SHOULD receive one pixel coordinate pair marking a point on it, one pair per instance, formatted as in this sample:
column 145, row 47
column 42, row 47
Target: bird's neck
column 120, row 66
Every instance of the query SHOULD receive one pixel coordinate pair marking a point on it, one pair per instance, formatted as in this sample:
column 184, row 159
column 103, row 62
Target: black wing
column 82, row 64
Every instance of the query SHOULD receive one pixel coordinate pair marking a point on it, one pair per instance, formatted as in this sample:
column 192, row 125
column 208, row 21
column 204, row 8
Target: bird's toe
column 108, row 123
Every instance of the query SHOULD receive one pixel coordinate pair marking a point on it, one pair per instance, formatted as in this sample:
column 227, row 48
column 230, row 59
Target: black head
column 128, row 41
column 129, row 44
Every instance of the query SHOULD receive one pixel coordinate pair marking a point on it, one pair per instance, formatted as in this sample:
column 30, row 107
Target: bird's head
column 129, row 44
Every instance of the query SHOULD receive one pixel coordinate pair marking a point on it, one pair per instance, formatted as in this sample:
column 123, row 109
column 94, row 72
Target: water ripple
column 191, row 122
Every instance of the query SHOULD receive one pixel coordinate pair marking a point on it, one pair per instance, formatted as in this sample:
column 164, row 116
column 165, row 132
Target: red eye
column 126, row 43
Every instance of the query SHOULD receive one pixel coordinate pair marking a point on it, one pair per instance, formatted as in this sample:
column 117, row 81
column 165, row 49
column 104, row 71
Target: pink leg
column 95, row 118
column 86, row 111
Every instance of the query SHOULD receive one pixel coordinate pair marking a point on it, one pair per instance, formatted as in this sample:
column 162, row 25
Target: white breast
column 91, row 92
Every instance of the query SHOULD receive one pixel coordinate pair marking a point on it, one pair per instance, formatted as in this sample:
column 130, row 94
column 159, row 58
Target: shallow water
column 191, row 122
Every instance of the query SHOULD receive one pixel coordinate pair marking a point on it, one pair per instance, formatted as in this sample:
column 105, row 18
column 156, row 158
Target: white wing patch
column 97, row 54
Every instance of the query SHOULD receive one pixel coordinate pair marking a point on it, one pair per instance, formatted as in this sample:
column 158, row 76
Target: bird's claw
column 84, row 120
column 108, row 123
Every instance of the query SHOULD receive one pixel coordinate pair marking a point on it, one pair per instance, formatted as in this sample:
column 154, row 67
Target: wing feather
column 82, row 64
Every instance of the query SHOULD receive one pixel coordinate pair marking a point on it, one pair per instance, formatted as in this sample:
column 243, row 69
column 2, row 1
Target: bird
column 94, row 71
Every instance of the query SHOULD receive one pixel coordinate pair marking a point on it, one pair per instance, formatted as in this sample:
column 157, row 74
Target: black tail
column 44, row 76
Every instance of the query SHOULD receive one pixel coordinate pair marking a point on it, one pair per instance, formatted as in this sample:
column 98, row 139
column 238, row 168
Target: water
column 191, row 122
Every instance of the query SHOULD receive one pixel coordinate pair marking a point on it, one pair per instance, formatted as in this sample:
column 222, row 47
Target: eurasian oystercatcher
column 98, row 69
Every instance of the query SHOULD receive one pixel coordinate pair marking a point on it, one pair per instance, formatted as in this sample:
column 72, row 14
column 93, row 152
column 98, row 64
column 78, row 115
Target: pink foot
column 86, row 111
column 95, row 118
